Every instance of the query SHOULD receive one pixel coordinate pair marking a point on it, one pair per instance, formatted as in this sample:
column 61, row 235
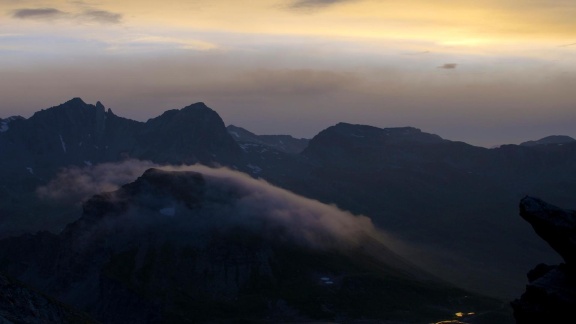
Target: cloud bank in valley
column 255, row 205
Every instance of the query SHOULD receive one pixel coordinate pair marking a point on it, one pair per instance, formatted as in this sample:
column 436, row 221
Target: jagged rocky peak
column 189, row 135
column 550, row 140
column 73, row 109
column 550, row 295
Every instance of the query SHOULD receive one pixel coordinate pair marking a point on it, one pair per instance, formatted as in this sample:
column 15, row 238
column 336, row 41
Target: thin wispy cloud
column 416, row 53
column 312, row 4
column 39, row 13
column 448, row 66
column 101, row 16
column 88, row 15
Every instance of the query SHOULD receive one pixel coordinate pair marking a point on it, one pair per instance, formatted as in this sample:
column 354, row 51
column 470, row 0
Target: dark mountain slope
column 185, row 247
column 22, row 304
column 452, row 200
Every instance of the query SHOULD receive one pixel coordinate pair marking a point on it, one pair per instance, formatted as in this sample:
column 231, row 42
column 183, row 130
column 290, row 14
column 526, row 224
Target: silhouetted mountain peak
column 550, row 140
column 197, row 105
column 75, row 102
column 74, row 108
column 192, row 134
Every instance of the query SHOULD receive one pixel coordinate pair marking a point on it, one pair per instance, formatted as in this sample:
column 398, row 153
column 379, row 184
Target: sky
column 486, row 72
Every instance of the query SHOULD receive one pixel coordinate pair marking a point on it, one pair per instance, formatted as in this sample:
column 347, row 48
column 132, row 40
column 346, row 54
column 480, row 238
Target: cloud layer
column 231, row 200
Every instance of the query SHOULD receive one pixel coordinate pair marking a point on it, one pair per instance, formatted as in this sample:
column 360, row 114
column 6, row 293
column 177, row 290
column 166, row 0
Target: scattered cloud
column 448, row 66
column 184, row 43
column 90, row 15
column 39, row 13
column 300, row 4
column 416, row 53
column 101, row 16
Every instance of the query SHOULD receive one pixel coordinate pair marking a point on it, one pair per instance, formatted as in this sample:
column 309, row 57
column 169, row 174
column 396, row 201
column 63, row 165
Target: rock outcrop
column 550, row 295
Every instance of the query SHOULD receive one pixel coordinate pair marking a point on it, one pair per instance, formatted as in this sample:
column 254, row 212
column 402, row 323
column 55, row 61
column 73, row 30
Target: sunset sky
column 485, row 72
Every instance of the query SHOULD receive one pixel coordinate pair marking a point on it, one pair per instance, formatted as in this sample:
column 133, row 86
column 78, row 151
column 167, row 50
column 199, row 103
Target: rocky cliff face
column 550, row 295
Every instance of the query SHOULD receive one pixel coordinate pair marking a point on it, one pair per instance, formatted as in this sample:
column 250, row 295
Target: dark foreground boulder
column 550, row 295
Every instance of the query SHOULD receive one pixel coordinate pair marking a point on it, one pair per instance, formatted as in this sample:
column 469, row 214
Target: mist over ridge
column 303, row 217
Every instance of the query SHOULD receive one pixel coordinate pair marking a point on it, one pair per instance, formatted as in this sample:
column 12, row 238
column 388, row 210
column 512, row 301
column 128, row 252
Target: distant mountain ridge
column 548, row 140
column 78, row 133
column 452, row 200
column 283, row 143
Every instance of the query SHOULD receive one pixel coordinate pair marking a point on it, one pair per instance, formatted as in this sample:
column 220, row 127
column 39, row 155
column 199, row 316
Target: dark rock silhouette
column 550, row 295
